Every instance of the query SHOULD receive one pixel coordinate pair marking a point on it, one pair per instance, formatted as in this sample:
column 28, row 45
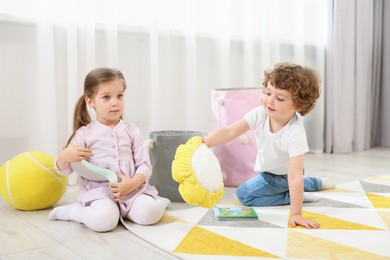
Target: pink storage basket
column 237, row 158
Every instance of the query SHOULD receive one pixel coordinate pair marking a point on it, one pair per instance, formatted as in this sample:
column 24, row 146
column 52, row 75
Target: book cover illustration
column 235, row 213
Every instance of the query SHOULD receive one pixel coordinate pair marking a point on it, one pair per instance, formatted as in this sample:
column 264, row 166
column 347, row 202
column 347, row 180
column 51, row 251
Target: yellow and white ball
column 29, row 181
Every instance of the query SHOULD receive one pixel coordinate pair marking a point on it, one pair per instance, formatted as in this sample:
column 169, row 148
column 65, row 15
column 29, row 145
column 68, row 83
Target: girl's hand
column 121, row 189
column 301, row 221
column 75, row 153
column 72, row 154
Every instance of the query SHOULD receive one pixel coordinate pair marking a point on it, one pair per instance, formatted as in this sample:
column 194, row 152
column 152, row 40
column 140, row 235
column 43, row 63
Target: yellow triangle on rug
column 327, row 222
column 303, row 246
column 385, row 215
column 378, row 201
column 203, row 242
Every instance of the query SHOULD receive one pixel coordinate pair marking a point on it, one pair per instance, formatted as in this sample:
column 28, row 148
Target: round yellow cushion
column 29, row 181
column 198, row 173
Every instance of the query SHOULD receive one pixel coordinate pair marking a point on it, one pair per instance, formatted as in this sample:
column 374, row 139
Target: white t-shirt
column 274, row 149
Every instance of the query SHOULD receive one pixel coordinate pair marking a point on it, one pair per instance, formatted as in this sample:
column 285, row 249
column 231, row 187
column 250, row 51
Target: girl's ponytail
column 80, row 117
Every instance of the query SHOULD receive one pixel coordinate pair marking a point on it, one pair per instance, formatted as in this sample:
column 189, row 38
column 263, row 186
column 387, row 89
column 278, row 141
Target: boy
column 289, row 89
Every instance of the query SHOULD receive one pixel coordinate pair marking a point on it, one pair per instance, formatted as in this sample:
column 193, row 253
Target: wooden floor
column 30, row 235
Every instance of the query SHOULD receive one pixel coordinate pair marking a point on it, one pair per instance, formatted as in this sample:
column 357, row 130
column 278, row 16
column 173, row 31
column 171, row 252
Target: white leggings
column 103, row 215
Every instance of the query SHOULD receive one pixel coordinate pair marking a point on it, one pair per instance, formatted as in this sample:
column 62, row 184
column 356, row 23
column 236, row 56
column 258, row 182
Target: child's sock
column 307, row 197
column 66, row 212
column 327, row 183
column 164, row 201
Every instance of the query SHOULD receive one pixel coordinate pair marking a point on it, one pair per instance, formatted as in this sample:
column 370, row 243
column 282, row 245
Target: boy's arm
column 295, row 183
column 226, row 134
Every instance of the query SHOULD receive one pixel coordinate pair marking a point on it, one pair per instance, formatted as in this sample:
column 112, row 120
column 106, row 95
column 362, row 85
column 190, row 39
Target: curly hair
column 302, row 82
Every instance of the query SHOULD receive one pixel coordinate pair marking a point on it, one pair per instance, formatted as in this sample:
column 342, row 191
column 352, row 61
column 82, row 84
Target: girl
column 289, row 89
column 111, row 143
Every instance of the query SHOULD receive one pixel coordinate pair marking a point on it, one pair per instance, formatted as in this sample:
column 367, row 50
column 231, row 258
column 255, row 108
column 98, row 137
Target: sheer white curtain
column 172, row 53
column 357, row 71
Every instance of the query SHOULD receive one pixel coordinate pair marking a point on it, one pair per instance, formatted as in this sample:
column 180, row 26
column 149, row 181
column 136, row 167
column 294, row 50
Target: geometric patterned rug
column 354, row 219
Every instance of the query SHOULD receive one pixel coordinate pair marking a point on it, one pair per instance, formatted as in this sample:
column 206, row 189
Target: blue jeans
column 267, row 189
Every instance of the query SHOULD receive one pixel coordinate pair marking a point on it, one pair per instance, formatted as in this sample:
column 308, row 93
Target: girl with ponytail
column 110, row 143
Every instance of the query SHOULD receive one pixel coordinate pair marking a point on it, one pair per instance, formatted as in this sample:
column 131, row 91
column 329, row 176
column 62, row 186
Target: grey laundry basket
column 163, row 145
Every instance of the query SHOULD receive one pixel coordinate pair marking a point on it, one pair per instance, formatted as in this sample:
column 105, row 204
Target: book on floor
column 235, row 213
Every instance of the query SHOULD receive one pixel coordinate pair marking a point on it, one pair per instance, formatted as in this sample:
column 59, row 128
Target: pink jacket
column 120, row 149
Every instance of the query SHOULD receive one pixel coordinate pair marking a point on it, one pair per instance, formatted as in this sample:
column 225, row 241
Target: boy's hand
column 301, row 221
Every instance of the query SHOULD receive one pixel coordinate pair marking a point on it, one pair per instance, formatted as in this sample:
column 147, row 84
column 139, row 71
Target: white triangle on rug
column 353, row 186
column 192, row 214
column 274, row 215
column 356, row 198
column 165, row 236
